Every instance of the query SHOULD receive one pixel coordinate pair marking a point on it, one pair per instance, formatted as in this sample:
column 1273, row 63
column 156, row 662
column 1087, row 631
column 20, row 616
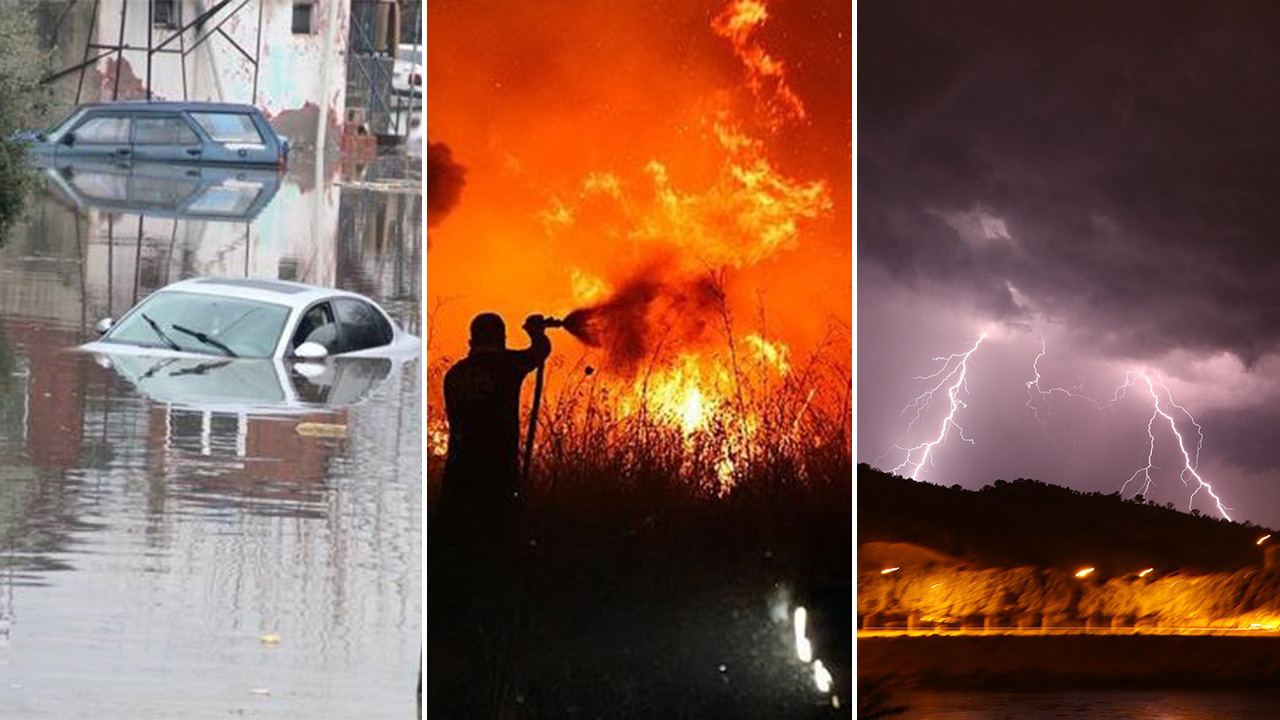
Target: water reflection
column 191, row 192
column 158, row 517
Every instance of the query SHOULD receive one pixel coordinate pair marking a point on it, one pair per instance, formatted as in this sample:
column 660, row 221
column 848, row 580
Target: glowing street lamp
column 1084, row 573
column 886, row 571
column 1144, row 572
column 1262, row 539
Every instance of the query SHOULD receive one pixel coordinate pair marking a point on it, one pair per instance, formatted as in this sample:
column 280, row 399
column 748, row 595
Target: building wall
column 300, row 78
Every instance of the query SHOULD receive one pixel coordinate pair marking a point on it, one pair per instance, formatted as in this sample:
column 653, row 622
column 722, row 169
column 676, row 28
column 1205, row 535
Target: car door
column 164, row 137
column 98, row 137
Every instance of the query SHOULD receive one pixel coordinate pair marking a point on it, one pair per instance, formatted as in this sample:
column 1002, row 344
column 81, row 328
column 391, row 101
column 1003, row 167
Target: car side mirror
column 68, row 139
column 311, row 351
column 104, row 325
column 309, row 370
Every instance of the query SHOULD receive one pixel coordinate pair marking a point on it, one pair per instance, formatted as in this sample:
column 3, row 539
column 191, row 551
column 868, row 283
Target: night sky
column 1104, row 177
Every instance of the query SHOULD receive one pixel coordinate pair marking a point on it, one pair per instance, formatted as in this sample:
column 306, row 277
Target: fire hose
column 525, row 469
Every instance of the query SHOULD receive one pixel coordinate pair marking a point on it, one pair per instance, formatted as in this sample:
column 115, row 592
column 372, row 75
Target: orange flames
column 766, row 75
column 632, row 187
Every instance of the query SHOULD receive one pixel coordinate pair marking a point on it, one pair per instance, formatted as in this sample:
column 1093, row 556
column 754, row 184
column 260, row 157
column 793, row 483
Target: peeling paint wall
column 298, row 75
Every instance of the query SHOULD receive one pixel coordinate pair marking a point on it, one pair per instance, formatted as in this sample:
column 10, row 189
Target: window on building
column 288, row 269
column 164, row 13
column 302, row 12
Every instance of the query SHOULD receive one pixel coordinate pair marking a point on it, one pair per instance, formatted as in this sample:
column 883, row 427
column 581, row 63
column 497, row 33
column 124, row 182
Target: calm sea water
column 1258, row 704
column 164, row 553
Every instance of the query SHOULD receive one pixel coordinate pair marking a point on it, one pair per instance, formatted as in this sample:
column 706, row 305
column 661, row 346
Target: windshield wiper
column 206, row 339
column 157, row 368
column 156, row 326
column 200, row 369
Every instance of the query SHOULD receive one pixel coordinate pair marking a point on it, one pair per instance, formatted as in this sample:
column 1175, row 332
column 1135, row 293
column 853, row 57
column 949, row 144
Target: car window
column 196, row 322
column 363, row 327
column 163, row 130
column 100, row 186
column 317, row 326
column 229, row 127
column 227, row 199
column 65, row 123
column 103, row 130
column 345, row 381
column 159, row 192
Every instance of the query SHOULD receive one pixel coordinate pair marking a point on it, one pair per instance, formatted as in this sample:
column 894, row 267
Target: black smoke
column 445, row 180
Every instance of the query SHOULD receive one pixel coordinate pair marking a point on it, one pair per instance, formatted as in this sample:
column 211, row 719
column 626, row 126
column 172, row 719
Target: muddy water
column 171, row 555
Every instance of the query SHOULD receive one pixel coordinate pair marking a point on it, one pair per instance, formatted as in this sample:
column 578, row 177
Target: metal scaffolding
column 94, row 51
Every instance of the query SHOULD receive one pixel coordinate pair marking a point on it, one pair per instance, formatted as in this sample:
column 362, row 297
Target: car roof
column 173, row 106
column 280, row 292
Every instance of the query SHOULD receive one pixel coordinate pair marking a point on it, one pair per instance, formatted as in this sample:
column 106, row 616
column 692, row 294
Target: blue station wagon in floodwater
column 192, row 132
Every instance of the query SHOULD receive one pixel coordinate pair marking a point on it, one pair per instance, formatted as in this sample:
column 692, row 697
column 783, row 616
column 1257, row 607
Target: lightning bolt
column 1190, row 464
column 952, row 374
column 1036, row 393
column 952, row 377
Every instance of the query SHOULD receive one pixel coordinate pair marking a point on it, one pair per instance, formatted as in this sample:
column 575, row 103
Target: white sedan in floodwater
column 247, row 318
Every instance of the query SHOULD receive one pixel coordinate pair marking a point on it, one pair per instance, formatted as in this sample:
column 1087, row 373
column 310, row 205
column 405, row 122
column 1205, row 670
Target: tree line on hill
column 1031, row 523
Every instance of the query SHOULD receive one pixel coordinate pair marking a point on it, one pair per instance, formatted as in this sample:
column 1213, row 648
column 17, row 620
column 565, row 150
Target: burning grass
column 724, row 423
column 668, row 512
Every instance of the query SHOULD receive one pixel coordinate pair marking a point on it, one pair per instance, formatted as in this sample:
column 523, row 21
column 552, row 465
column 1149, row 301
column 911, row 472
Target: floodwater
column 1111, row 704
column 189, row 554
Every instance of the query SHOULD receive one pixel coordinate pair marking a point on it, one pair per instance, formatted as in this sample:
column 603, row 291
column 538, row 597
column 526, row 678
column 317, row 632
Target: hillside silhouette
column 1031, row 523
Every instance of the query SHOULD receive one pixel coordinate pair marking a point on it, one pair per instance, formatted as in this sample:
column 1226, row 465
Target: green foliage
column 22, row 64
column 15, row 183
column 22, row 101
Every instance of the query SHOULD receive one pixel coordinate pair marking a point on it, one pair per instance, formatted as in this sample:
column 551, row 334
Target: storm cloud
column 1100, row 177
column 1112, row 166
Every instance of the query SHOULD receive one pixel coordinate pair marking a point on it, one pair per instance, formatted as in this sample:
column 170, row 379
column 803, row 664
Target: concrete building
column 287, row 57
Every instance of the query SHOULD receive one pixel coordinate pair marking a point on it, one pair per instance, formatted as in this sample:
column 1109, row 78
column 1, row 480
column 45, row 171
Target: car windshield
column 410, row 53
column 211, row 324
column 64, row 123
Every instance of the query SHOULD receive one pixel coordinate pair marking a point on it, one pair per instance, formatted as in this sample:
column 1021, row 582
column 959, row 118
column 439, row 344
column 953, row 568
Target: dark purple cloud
column 1105, row 175
column 1129, row 148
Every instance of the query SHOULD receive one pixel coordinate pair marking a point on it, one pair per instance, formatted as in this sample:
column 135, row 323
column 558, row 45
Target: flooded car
column 257, row 319
column 187, row 132
column 255, row 387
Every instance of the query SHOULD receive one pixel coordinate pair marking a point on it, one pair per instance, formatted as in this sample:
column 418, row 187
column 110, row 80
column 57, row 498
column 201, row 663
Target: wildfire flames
column 646, row 196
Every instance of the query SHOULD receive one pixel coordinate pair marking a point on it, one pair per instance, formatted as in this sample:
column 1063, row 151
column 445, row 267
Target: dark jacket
column 482, row 401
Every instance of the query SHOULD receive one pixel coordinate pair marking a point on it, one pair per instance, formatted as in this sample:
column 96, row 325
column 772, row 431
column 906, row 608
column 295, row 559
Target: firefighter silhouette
column 482, row 402
column 474, row 553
